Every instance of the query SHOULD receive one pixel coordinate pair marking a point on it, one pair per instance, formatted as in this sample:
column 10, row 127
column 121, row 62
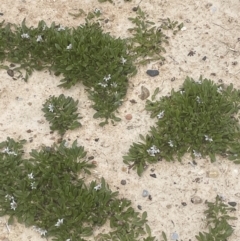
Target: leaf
column 164, row 236
column 58, row 46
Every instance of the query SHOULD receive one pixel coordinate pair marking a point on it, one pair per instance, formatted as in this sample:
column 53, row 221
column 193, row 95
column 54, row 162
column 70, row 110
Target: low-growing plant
column 61, row 113
column 148, row 39
column 201, row 119
column 217, row 217
column 84, row 54
column 49, row 193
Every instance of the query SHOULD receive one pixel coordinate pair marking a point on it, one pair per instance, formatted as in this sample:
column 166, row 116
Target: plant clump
column 202, row 119
column 48, row 193
column 60, row 112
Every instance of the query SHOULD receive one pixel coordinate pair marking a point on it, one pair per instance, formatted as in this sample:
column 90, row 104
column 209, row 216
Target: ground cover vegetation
column 48, row 191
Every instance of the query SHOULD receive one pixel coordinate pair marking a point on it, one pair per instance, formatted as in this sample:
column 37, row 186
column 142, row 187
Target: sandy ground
column 212, row 30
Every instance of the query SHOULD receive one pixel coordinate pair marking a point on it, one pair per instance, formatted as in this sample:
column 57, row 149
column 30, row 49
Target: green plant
column 217, row 220
column 60, row 112
column 201, row 119
column 83, row 54
column 147, row 41
column 48, row 191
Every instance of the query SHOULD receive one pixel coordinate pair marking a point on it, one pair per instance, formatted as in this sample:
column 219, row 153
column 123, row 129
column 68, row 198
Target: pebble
column 145, row 193
column 152, row 72
column 169, row 206
column 184, row 204
column 139, row 207
column 144, row 93
column 212, row 174
column 128, row 117
column 174, row 236
column 233, row 204
column 10, row 72
column 123, row 182
column 196, row 200
column 153, row 175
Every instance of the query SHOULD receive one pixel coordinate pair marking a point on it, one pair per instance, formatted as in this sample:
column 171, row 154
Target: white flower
column 123, row 61
column 25, row 35
column 33, row 185
column 106, row 78
column 39, row 38
column 103, row 84
column 198, row 100
column 69, row 46
column 160, row 115
column 9, row 197
column 153, row 150
column 97, row 10
column 197, row 154
column 7, row 150
column 13, row 205
column 219, row 90
column 114, row 85
column 30, row 176
column 207, row 138
column 68, row 239
column 98, row 187
column 182, row 91
column 44, row 27
column 170, row 143
column 50, row 107
column 59, row 222
column 198, row 82
column 60, row 28
column 39, row 230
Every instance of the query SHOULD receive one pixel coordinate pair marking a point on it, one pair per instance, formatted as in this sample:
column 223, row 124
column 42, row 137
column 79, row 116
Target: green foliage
column 200, row 119
column 49, row 192
column 217, row 221
column 60, row 112
column 147, row 41
column 83, row 54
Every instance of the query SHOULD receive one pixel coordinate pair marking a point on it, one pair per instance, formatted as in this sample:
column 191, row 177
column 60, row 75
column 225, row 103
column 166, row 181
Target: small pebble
column 128, row 117
column 204, row 58
column 150, row 197
column 145, row 193
column 123, row 182
column 169, row 206
column 174, row 236
column 212, row 174
column 184, row 204
column 135, row 9
column 139, row 207
column 90, row 158
column 144, row 93
column 10, row 72
column 152, row 72
column 1, row 14
column 233, row 204
column 196, row 200
column 153, row 175
column 96, row 139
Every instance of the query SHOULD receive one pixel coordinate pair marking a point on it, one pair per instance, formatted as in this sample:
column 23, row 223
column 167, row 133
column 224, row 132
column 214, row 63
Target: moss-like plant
column 60, row 112
column 48, row 192
column 201, row 119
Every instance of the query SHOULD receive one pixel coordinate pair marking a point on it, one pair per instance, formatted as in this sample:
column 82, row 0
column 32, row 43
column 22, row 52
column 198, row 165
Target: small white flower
column 170, row 143
column 219, row 90
column 13, row 205
column 103, row 84
column 97, row 10
column 98, row 187
column 69, row 46
column 44, row 27
column 68, row 239
column 123, row 61
column 25, row 35
column 182, row 92
column 60, row 28
column 6, row 150
column 106, row 78
column 198, row 100
column 160, row 115
column 42, row 231
column 114, row 85
column 39, row 38
column 198, row 82
column 59, row 222
column 30, row 176
column 9, row 197
column 50, row 107
column 153, row 150
column 197, row 154
column 207, row 138
column 33, row 186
